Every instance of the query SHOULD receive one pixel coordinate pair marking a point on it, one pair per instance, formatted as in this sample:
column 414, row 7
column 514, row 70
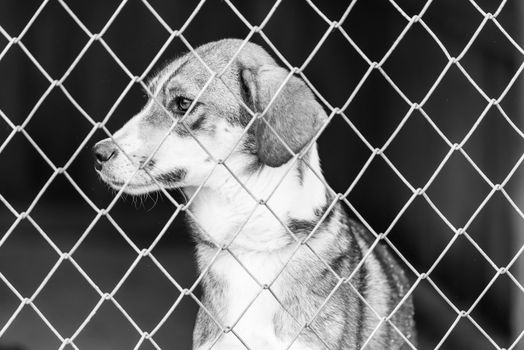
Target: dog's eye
column 181, row 104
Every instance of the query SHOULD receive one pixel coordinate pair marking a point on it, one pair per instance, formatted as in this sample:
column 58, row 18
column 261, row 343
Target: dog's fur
column 244, row 290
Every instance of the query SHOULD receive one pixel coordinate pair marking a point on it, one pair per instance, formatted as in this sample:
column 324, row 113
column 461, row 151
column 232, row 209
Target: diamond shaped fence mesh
column 39, row 310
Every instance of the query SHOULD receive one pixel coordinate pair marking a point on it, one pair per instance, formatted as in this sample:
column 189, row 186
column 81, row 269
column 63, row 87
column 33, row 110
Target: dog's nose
column 103, row 151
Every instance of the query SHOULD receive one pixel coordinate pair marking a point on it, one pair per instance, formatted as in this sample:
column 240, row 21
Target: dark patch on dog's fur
column 172, row 177
column 355, row 256
column 184, row 128
column 149, row 166
column 245, row 94
column 249, row 144
column 389, row 269
column 181, row 129
column 253, row 167
column 339, row 264
column 198, row 123
column 362, row 288
column 302, row 227
column 244, row 117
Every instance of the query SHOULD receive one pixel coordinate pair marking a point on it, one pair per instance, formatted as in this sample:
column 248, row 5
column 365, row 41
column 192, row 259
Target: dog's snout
column 103, row 151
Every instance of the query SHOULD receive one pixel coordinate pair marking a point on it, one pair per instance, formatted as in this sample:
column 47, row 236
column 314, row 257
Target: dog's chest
column 247, row 305
column 239, row 224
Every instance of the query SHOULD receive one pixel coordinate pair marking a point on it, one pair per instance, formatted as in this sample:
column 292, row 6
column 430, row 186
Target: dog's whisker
column 155, row 201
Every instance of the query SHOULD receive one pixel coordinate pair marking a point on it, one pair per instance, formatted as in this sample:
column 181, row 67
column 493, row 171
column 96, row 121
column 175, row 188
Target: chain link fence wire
column 185, row 287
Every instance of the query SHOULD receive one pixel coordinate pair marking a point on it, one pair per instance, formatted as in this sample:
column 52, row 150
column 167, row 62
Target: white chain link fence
column 188, row 291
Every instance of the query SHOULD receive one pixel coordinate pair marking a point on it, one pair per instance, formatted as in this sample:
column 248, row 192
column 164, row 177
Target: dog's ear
column 294, row 115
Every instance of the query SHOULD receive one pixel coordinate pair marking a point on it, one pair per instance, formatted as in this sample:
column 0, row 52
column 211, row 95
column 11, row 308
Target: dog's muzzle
column 103, row 151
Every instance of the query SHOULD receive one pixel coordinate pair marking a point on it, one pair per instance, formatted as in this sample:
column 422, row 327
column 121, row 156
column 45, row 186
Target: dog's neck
column 228, row 207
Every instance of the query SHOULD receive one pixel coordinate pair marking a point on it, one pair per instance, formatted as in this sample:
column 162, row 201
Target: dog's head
column 212, row 122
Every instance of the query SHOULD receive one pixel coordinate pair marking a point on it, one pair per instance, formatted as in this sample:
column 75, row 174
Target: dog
column 275, row 246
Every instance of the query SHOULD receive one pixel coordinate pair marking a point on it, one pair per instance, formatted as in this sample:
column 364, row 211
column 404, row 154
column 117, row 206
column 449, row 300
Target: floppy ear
column 294, row 115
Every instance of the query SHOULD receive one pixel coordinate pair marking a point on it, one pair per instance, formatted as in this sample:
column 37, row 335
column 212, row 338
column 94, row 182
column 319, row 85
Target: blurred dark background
column 420, row 235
